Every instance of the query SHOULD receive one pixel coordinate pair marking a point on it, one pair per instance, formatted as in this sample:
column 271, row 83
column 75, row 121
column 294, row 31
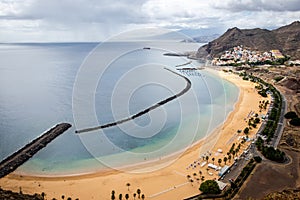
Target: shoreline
column 105, row 172
column 168, row 182
column 133, row 168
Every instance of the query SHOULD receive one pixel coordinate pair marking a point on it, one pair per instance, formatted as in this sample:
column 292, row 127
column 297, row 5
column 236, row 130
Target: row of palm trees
column 138, row 194
column 230, row 154
column 234, row 150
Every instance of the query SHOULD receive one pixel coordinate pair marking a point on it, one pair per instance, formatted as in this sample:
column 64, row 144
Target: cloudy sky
column 97, row 20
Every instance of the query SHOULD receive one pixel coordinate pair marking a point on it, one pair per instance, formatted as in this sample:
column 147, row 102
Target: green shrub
column 290, row 115
column 295, row 121
column 272, row 154
column 210, row 187
column 278, row 78
column 257, row 159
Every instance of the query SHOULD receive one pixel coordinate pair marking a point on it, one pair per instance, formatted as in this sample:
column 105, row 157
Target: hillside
column 286, row 39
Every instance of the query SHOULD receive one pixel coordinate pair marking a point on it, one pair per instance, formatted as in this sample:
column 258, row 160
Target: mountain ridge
column 286, row 39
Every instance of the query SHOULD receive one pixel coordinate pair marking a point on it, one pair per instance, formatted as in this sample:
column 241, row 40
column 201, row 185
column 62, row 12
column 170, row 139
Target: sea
column 91, row 84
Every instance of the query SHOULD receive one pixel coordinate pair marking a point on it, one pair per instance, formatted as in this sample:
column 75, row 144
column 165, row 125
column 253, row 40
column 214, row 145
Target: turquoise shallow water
column 37, row 84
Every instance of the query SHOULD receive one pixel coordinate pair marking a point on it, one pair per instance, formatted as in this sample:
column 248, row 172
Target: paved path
column 169, row 189
column 179, row 173
column 280, row 125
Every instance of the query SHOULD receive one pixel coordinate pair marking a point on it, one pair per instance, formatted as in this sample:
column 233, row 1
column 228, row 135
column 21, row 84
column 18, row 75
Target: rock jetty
column 188, row 86
column 15, row 160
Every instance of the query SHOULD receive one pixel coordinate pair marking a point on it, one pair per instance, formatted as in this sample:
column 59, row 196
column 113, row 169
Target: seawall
column 16, row 159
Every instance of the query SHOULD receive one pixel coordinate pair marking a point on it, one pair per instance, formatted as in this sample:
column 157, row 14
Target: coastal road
column 280, row 125
column 237, row 168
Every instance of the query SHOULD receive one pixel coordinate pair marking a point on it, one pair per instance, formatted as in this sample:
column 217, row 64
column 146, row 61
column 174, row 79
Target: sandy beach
column 169, row 182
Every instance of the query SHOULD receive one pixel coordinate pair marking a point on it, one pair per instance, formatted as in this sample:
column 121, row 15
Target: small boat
column 147, row 48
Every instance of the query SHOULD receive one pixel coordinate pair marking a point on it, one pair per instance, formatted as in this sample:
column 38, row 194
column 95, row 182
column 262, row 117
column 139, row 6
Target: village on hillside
column 241, row 55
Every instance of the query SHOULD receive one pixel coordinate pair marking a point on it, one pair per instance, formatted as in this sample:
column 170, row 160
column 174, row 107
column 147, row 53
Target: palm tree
column 120, row 196
column 237, row 150
column 113, row 195
column 43, row 195
column 143, row 196
column 233, row 153
column 207, row 157
column 126, row 196
column 192, row 181
column 225, row 160
column 219, row 161
column 194, row 174
column 134, row 195
column 202, row 178
column 138, row 191
column 63, row 196
column 229, row 157
column 128, row 185
column 213, row 159
column 188, row 177
column 69, row 198
column 239, row 146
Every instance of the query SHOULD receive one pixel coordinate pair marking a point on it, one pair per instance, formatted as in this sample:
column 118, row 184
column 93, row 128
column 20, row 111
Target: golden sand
column 167, row 183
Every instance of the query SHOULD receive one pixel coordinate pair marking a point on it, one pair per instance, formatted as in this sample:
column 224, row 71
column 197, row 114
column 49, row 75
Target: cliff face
column 286, row 39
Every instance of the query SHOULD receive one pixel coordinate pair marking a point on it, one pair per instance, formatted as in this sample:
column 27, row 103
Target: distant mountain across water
column 286, row 39
column 188, row 35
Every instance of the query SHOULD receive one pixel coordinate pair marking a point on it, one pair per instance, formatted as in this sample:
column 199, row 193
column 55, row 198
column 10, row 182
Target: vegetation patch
column 278, row 78
column 290, row 115
column 273, row 154
column 258, row 159
column 210, row 187
column 295, row 121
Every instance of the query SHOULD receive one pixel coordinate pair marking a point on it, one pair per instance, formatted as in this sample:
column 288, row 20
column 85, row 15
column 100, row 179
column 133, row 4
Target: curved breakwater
column 147, row 110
